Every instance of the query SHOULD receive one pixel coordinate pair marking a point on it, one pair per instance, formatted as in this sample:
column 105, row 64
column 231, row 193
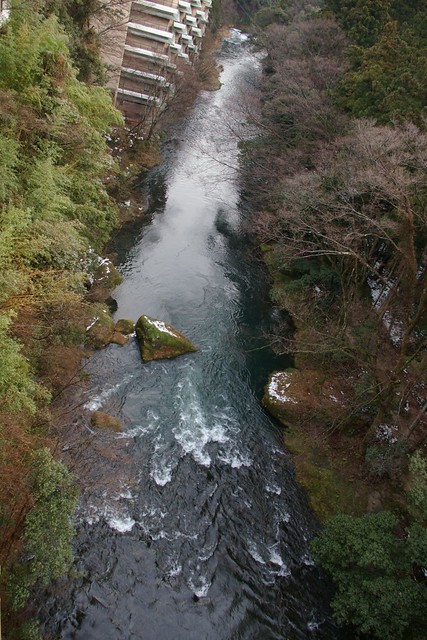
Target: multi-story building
column 156, row 40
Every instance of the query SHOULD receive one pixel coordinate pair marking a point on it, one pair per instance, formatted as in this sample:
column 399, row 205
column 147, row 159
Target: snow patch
column 161, row 326
column 277, row 386
column 385, row 433
column 273, row 488
column 92, row 323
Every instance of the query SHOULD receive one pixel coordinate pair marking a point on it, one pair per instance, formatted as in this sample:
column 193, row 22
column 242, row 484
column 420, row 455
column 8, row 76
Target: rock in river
column 125, row 326
column 102, row 420
column 159, row 340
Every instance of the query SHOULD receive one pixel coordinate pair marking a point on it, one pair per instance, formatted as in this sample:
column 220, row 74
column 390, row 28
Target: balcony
column 152, row 56
column 195, row 31
column 207, row 3
column 185, row 6
column 144, row 75
column 187, row 39
column 202, row 16
column 155, row 9
column 191, row 20
column 180, row 27
column 149, row 32
column 196, row 3
column 138, row 97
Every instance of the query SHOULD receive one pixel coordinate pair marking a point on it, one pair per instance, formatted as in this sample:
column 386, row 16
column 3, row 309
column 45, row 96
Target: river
column 207, row 539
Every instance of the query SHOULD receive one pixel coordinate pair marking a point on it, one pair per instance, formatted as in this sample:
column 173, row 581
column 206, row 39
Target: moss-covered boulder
column 125, row 326
column 100, row 329
column 294, row 396
column 101, row 420
column 106, row 273
column 103, row 278
column 159, row 340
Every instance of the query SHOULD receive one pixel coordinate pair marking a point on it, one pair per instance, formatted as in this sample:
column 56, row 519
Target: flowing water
column 208, row 538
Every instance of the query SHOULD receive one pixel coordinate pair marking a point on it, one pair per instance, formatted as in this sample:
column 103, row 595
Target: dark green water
column 208, row 540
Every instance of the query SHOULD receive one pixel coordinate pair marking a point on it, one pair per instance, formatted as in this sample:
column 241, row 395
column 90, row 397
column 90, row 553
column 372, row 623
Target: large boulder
column 100, row 329
column 103, row 277
column 294, row 396
column 158, row 340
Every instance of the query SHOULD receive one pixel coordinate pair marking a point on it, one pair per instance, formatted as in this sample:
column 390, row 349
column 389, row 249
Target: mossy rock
column 107, row 274
column 101, row 328
column 293, row 396
column 102, row 420
column 158, row 340
column 105, row 279
column 125, row 326
column 279, row 400
column 119, row 338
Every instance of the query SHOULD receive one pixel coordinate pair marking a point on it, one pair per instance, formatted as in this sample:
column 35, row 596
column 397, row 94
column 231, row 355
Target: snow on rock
column 296, row 395
column 278, row 385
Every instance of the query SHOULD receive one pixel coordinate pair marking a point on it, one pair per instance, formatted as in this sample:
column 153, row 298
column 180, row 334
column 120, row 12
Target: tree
column 374, row 566
column 356, row 218
column 362, row 20
column 388, row 80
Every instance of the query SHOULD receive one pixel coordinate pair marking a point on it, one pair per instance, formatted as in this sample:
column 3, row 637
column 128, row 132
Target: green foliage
column 386, row 459
column 373, row 569
column 18, row 391
column 53, row 165
column 388, row 80
column 93, row 104
column 417, row 497
column 28, row 53
column 363, row 20
column 307, row 274
column 269, row 15
column 48, row 529
column 8, row 162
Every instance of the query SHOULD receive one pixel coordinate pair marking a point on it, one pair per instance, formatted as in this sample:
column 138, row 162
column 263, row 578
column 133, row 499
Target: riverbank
column 358, row 354
column 341, row 230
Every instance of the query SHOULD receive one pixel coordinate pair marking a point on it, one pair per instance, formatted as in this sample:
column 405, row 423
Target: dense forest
column 337, row 176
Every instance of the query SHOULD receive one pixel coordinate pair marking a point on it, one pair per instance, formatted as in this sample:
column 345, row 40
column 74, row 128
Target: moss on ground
column 330, row 488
